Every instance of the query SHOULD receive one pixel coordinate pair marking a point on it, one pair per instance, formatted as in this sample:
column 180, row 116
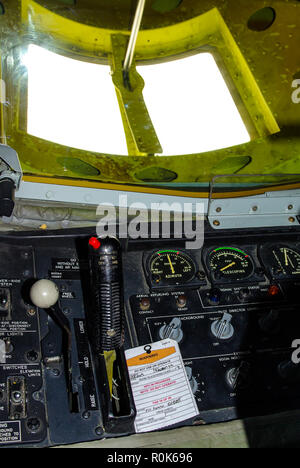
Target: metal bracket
column 268, row 210
column 10, row 179
column 10, row 167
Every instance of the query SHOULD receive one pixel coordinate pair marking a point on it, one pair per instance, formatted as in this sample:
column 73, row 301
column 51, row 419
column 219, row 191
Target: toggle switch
column 270, row 322
column 181, row 301
column 5, row 304
column 244, row 294
column 145, row 303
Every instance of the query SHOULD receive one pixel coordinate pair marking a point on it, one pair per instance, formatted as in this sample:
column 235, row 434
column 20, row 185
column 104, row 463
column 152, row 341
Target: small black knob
column 287, row 370
column 270, row 323
column 244, row 294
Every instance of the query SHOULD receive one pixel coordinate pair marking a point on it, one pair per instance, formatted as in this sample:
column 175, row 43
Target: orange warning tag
column 160, row 385
column 151, row 357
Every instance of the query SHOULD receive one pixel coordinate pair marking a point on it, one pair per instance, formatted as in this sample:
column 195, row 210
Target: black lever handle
column 107, row 285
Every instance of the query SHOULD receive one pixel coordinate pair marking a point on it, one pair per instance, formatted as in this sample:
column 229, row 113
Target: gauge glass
column 171, row 267
column 285, row 261
column 230, row 263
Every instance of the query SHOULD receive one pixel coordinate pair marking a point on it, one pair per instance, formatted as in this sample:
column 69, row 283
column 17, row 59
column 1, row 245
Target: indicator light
column 273, row 290
column 95, row 243
column 214, row 297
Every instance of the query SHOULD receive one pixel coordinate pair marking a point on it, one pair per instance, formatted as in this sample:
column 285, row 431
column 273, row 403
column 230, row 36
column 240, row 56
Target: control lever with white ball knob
column 44, row 294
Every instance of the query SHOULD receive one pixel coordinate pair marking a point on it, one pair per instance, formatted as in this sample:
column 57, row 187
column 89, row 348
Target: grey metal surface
column 275, row 431
column 268, row 210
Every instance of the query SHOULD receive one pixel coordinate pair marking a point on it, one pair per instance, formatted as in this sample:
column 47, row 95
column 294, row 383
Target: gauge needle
column 286, row 257
column 228, row 266
column 171, row 265
column 292, row 265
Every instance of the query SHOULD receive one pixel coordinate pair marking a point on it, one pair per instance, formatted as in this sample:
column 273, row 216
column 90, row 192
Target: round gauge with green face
column 284, row 261
column 230, row 263
column 171, row 267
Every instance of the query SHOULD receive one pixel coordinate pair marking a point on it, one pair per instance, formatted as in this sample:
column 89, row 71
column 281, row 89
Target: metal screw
column 86, row 415
column 99, row 431
column 33, row 425
column 254, row 208
column 56, row 372
column 216, row 223
column 37, row 396
column 292, row 219
column 31, row 312
column 219, row 209
column 32, row 356
column 201, row 275
column 290, row 207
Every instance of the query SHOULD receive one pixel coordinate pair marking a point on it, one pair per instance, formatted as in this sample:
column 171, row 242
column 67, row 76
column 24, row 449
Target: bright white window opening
column 74, row 103
column 191, row 107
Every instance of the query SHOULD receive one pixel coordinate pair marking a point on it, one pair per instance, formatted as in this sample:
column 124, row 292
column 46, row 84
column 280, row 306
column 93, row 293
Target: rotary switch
column 192, row 380
column 238, row 377
column 172, row 330
column 222, row 328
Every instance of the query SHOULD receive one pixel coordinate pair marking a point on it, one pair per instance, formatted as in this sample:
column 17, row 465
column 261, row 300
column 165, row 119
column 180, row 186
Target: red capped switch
column 95, row 243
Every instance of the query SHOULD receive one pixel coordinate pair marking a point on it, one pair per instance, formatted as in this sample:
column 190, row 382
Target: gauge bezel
column 265, row 254
column 254, row 276
column 165, row 284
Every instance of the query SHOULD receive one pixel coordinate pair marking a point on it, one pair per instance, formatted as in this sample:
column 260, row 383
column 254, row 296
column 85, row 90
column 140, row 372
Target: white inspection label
column 161, row 388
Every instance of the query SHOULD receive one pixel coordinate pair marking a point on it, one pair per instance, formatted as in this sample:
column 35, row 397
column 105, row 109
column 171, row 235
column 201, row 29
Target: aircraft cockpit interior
column 149, row 226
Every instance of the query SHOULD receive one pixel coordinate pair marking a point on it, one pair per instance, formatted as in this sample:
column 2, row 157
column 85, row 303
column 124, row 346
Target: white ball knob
column 44, row 294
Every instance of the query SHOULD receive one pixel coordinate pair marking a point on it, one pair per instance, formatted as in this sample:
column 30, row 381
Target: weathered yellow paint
column 2, row 127
column 258, row 66
column 139, row 130
column 66, row 33
column 207, row 29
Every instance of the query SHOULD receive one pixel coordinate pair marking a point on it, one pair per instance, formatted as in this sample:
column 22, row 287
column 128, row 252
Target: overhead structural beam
column 141, row 136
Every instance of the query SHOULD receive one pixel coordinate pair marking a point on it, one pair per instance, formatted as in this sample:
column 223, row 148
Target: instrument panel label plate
column 10, row 432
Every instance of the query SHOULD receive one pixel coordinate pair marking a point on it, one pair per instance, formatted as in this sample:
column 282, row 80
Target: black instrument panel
column 281, row 260
column 171, row 267
column 234, row 316
column 223, row 264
